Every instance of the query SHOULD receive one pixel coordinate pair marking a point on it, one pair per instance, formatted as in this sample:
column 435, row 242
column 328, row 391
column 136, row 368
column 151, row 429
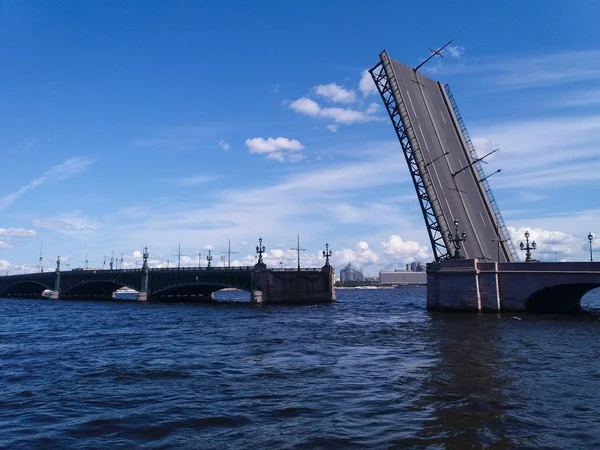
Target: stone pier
column 291, row 286
column 476, row 286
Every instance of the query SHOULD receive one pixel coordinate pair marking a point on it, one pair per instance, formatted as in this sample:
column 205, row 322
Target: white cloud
column 5, row 245
column 306, row 106
column 224, row 145
column 335, row 93
column 17, row 232
column 551, row 245
column 74, row 224
column 276, row 148
column 454, row 51
column 194, row 180
column 372, row 108
column 340, row 115
column 564, row 150
column 67, row 169
column 184, row 138
column 54, row 224
column 405, row 251
column 361, row 255
column 366, row 84
column 332, row 128
column 529, row 71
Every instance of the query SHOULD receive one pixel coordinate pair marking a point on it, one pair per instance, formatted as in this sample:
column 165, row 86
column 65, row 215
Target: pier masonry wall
column 292, row 286
column 476, row 286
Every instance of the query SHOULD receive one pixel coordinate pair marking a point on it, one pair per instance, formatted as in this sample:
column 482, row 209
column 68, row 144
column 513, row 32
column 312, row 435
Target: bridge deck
column 444, row 150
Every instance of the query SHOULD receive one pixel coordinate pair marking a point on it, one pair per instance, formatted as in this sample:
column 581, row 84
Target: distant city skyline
column 115, row 136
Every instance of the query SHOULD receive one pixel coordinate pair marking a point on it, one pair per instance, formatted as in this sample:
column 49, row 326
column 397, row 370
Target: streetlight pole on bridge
column 527, row 248
column 500, row 242
column 326, row 253
column 457, row 240
column 591, row 238
column 260, row 249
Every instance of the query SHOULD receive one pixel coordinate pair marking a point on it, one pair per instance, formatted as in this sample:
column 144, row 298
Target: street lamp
column 457, row 240
column 209, row 259
column 260, row 249
column 591, row 238
column 527, row 248
column 326, row 253
column 500, row 242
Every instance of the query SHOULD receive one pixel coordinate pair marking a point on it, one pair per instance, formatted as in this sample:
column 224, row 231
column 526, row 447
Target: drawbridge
column 447, row 173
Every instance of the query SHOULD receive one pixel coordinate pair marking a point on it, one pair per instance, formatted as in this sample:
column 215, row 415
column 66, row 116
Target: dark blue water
column 374, row 370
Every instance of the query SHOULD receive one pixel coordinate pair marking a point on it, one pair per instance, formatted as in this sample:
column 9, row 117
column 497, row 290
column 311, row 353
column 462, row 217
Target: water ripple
column 374, row 370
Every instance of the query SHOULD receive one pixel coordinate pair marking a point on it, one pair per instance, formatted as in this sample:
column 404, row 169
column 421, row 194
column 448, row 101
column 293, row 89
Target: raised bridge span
column 445, row 169
column 484, row 276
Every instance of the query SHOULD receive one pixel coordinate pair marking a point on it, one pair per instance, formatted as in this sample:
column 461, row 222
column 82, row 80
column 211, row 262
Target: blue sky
column 127, row 124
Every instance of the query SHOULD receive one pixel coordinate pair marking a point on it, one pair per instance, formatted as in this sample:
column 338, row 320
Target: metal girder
column 437, row 229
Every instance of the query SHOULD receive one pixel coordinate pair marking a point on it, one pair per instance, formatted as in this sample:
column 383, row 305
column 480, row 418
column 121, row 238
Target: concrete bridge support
column 472, row 285
column 291, row 286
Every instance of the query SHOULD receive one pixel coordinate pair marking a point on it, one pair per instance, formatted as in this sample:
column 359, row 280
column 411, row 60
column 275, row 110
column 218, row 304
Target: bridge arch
column 560, row 298
column 97, row 289
column 195, row 290
column 25, row 289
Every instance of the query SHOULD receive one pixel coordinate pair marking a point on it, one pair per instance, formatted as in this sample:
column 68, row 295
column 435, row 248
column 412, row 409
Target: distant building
column 402, row 277
column 415, row 267
column 351, row 273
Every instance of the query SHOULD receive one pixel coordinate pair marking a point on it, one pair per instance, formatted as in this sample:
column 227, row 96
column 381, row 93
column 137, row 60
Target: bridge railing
column 160, row 269
column 303, row 269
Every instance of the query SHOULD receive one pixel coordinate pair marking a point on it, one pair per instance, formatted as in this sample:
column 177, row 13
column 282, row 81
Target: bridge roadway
column 437, row 131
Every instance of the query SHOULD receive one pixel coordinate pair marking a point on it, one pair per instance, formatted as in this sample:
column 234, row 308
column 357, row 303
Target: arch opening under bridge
column 25, row 289
column 194, row 292
column 561, row 298
column 97, row 289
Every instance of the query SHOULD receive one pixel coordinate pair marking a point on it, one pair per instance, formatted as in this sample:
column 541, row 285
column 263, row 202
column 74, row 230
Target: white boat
column 125, row 293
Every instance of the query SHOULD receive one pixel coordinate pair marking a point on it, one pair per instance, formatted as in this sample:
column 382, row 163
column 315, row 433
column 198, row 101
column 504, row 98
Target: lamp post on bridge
column 457, row 240
column 145, row 256
column 209, row 259
column 591, row 238
column 500, row 242
column 527, row 248
column 326, row 253
column 260, row 249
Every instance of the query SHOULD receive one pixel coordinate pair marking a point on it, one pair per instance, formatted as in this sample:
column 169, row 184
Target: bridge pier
column 474, row 286
column 291, row 286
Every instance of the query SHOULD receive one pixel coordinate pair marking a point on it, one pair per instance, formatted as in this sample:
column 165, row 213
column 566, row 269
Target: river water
column 373, row 370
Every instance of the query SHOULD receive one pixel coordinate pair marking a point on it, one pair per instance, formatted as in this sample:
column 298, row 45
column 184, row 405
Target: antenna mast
column 179, row 255
column 298, row 250
column 229, row 252
column 437, row 52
